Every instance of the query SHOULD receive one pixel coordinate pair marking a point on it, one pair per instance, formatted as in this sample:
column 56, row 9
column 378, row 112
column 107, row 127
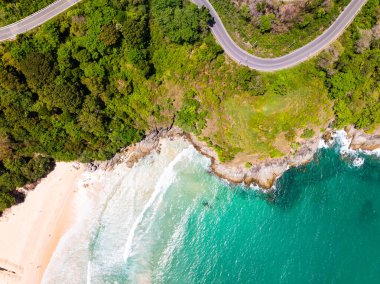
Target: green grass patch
column 254, row 123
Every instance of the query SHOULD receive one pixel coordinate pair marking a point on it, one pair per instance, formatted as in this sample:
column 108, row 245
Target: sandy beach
column 30, row 231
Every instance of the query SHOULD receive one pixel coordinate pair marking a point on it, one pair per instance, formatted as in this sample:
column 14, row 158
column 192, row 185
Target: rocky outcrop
column 265, row 173
column 133, row 153
column 262, row 173
column 362, row 140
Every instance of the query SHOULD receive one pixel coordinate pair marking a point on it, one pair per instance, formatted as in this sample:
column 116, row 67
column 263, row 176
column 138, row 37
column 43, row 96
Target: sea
column 170, row 220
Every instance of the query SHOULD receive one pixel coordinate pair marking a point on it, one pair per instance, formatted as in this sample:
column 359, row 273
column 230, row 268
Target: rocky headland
column 263, row 173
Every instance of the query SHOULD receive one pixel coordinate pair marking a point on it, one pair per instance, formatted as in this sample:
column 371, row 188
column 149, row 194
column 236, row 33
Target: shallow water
column 168, row 220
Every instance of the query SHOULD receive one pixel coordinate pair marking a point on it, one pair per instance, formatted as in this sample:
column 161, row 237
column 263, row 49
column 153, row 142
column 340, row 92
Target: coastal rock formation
column 133, row 153
column 262, row 173
column 362, row 140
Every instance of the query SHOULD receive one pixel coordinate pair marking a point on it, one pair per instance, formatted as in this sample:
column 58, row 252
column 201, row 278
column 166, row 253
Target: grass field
column 259, row 125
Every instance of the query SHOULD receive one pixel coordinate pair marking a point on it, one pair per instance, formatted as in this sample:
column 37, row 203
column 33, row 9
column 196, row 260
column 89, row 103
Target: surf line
column 163, row 183
column 89, row 272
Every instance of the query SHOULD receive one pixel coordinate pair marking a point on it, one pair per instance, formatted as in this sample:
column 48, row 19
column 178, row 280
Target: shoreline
column 363, row 141
column 262, row 174
column 32, row 230
column 35, row 227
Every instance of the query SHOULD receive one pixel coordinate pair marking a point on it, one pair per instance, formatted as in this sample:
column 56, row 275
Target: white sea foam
column 88, row 280
column 375, row 152
column 165, row 180
column 128, row 201
column 322, row 144
column 175, row 241
column 358, row 162
column 354, row 157
column 341, row 137
column 344, row 142
column 254, row 186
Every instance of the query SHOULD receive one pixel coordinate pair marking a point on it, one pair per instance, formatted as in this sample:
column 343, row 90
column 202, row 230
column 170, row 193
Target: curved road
column 273, row 64
column 36, row 19
column 218, row 30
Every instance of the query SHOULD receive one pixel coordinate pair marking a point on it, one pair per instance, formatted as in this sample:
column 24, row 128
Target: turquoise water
column 322, row 225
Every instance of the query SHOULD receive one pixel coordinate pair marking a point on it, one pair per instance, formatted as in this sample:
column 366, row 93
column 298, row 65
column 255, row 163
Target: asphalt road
column 218, row 30
column 36, row 19
column 273, row 64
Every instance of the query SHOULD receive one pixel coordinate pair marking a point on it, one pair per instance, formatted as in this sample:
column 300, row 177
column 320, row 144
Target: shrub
column 307, row 133
column 190, row 117
column 266, row 22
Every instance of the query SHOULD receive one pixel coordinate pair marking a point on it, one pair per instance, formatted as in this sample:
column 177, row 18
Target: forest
column 77, row 88
column 352, row 71
column 100, row 76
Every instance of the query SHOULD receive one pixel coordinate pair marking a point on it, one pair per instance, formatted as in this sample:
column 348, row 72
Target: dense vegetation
column 14, row 10
column 352, row 71
column 98, row 77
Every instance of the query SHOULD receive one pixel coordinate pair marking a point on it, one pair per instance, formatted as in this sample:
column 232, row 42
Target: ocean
column 168, row 220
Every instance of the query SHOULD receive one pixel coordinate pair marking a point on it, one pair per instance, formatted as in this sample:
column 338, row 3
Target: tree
column 78, row 25
column 261, row 6
column 11, row 79
column 376, row 31
column 342, row 84
column 91, row 118
column 307, row 19
column 364, row 41
column 320, row 13
column 109, row 35
column 66, row 97
column 5, row 146
column 38, row 69
column 136, row 31
column 266, row 22
column 36, row 168
column 183, row 24
column 190, row 117
column 343, row 113
column 245, row 12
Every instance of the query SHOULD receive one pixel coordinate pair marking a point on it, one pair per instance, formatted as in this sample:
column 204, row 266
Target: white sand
column 30, row 232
